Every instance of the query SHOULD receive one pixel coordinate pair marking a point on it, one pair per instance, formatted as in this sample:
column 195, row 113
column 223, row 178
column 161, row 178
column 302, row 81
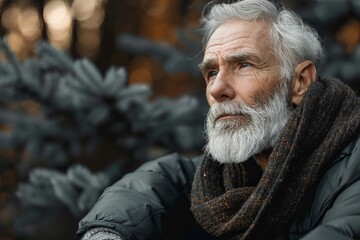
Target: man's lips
column 228, row 116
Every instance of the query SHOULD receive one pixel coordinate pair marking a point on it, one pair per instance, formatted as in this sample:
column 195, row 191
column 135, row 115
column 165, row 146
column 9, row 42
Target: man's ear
column 305, row 74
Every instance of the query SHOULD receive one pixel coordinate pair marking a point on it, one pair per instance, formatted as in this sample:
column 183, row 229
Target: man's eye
column 244, row 65
column 211, row 74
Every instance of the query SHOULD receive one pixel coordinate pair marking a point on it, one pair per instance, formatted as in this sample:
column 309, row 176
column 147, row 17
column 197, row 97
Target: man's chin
column 218, row 154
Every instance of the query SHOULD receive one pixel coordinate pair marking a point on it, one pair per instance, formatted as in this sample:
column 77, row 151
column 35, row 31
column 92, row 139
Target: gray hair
column 292, row 40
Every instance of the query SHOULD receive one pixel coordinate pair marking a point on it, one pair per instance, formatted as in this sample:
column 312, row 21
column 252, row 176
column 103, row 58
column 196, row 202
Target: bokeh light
column 95, row 20
column 16, row 43
column 10, row 18
column 90, row 16
column 29, row 24
column 84, row 9
column 140, row 76
column 58, row 19
column 57, row 15
column 141, row 70
column 349, row 35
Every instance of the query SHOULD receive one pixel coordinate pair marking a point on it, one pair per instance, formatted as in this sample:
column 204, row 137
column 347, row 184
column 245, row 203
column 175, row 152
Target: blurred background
column 90, row 89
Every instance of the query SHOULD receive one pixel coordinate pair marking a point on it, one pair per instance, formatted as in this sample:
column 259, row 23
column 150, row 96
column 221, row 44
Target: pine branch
column 78, row 108
column 77, row 189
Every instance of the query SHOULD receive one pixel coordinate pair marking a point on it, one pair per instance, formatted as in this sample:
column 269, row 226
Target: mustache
column 218, row 110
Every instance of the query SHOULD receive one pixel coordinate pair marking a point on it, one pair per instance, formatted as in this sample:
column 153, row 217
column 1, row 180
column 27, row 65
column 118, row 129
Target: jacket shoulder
column 337, row 199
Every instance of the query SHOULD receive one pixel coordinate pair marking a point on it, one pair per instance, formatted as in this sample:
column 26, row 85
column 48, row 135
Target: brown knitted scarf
column 238, row 201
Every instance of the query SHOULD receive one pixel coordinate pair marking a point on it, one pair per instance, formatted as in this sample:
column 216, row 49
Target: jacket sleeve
column 342, row 220
column 138, row 205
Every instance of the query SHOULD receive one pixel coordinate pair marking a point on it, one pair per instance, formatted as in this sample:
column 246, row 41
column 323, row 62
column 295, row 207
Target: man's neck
column 263, row 158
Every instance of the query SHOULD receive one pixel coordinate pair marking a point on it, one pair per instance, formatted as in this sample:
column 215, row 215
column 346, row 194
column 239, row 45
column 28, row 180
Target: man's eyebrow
column 233, row 57
column 207, row 64
column 242, row 56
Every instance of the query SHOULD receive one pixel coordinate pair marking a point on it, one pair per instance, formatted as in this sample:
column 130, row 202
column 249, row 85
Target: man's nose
column 221, row 89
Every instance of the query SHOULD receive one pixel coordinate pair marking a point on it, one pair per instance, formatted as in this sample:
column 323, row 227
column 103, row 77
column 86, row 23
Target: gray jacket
column 152, row 202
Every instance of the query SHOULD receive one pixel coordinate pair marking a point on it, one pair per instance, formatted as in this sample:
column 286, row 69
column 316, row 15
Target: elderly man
column 282, row 158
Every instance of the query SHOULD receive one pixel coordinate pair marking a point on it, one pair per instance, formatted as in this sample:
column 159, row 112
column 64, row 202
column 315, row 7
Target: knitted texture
column 101, row 233
column 227, row 204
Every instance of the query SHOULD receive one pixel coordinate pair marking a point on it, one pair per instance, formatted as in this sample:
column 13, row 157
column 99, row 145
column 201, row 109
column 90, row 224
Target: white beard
column 233, row 140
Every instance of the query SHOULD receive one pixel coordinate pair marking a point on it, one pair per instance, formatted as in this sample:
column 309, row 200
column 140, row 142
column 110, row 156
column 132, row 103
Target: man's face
column 249, row 102
column 239, row 64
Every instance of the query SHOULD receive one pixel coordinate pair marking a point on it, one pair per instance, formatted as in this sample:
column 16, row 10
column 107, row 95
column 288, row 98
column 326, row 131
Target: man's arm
column 140, row 203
